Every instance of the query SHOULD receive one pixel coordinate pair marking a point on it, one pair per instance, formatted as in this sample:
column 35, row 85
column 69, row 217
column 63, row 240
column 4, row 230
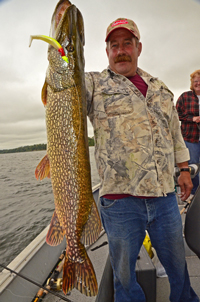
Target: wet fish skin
column 76, row 216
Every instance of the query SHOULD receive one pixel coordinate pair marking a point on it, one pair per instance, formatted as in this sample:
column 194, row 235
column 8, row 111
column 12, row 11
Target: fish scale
column 67, row 161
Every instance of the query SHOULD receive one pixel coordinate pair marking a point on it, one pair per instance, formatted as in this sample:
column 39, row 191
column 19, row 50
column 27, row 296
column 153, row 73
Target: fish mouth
column 66, row 22
column 67, row 36
column 59, row 11
column 66, row 27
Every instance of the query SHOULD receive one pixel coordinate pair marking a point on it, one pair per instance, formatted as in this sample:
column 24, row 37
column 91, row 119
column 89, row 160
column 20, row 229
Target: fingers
column 185, row 184
column 185, row 192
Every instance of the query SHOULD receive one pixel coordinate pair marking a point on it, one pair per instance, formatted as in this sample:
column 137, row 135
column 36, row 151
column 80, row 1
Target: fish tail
column 80, row 275
column 68, row 276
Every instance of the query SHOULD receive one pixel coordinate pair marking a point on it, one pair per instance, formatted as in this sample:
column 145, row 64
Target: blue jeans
column 125, row 221
column 194, row 149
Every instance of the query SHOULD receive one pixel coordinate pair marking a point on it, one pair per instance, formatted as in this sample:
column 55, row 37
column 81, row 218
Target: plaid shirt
column 188, row 107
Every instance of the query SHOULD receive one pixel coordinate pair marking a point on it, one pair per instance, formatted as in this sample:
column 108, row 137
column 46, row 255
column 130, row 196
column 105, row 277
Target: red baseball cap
column 123, row 23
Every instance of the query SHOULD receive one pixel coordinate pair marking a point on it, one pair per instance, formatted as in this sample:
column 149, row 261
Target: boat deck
column 99, row 257
column 193, row 262
column 38, row 260
column 162, row 284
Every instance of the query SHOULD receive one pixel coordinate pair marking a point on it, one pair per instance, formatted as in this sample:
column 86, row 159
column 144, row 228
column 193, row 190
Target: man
column 189, row 115
column 137, row 143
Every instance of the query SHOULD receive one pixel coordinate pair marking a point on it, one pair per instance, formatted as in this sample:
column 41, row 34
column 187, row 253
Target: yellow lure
column 52, row 42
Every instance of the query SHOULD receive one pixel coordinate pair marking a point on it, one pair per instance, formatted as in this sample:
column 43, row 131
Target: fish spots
column 68, row 152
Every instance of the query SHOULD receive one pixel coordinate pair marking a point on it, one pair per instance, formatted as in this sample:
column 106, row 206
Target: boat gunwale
column 22, row 259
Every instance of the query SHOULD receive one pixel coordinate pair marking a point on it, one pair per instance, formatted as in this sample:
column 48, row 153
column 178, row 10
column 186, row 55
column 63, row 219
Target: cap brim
column 106, row 40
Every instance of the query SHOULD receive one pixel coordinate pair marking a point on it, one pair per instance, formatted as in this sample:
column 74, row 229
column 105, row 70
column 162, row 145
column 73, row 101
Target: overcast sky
column 170, row 34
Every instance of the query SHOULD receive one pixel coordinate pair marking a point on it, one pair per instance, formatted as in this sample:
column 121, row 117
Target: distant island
column 38, row 147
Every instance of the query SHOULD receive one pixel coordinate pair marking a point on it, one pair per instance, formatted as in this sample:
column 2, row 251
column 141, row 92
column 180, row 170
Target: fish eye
column 70, row 47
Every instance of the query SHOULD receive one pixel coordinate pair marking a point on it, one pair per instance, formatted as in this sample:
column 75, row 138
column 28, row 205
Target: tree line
column 37, row 147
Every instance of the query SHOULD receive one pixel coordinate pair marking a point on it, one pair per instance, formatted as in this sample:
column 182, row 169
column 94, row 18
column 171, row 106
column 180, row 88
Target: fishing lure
column 51, row 41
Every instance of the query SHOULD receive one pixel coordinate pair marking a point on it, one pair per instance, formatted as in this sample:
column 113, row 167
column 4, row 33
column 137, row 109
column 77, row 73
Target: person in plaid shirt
column 188, row 107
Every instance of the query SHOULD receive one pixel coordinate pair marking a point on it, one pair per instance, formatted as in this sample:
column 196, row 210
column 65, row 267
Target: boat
column 31, row 270
column 35, row 262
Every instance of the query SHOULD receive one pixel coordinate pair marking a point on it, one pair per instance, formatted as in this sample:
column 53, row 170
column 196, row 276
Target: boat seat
column 145, row 273
column 192, row 224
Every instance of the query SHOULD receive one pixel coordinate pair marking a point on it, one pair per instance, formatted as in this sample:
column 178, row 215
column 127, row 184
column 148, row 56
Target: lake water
column 26, row 204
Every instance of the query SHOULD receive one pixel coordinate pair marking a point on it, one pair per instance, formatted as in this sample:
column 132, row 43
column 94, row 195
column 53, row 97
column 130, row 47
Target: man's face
column 123, row 52
column 196, row 84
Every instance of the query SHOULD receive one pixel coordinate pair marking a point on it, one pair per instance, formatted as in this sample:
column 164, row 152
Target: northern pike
column 67, row 161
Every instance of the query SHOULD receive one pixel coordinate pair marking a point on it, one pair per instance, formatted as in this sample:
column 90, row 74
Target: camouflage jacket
column 137, row 139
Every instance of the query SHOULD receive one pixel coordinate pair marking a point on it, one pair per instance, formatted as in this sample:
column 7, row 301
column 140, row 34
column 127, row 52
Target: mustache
column 122, row 58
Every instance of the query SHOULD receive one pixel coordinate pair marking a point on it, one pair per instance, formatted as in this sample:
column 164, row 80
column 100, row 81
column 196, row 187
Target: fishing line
column 35, row 283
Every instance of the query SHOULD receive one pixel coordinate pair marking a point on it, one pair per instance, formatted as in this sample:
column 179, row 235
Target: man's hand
column 196, row 119
column 185, row 183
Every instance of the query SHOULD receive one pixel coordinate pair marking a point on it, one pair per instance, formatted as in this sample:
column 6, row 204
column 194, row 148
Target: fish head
column 67, row 28
column 65, row 51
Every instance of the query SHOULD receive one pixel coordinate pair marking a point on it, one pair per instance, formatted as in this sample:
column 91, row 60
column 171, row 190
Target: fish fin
column 44, row 93
column 80, row 275
column 68, row 276
column 55, row 233
column 43, row 168
column 92, row 227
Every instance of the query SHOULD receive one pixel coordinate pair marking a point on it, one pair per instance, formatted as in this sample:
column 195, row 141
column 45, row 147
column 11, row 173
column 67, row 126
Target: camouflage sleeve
column 181, row 153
